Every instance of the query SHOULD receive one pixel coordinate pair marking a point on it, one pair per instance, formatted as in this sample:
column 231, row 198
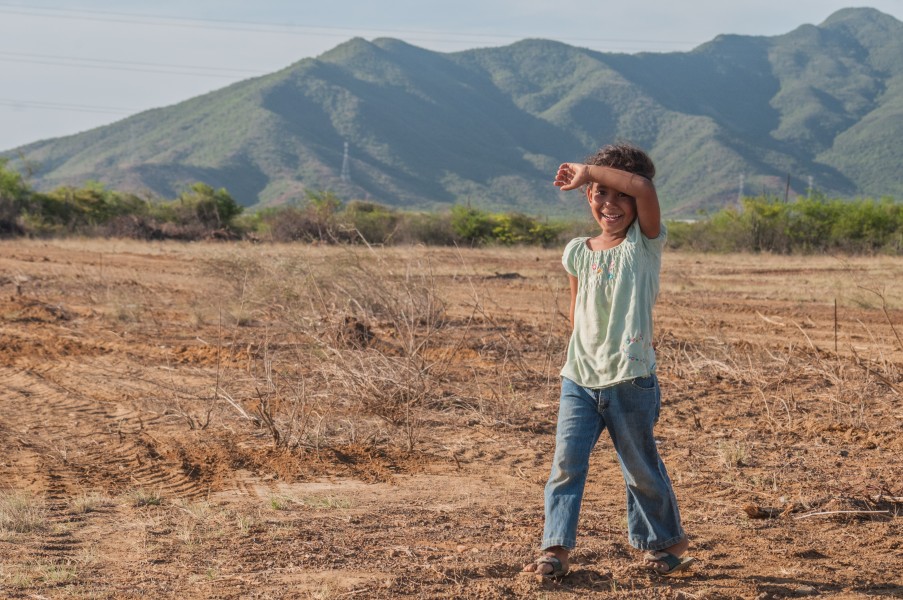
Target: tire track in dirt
column 36, row 467
column 97, row 447
column 62, row 446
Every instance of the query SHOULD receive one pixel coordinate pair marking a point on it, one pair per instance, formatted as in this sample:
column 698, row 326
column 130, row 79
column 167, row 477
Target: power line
column 114, row 66
column 38, row 104
column 288, row 28
column 227, row 71
column 162, row 22
column 198, row 23
column 161, row 68
column 140, row 17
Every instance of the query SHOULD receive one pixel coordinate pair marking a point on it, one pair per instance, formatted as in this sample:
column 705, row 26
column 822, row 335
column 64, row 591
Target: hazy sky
column 67, row 66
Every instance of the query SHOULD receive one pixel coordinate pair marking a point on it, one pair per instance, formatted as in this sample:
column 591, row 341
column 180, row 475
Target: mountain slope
column 489, row 126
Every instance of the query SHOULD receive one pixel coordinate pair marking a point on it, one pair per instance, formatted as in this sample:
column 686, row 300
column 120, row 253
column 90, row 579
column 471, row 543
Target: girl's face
column 614, row 211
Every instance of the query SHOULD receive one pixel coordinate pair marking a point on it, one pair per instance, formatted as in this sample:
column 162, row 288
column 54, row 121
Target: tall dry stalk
column 391, row 375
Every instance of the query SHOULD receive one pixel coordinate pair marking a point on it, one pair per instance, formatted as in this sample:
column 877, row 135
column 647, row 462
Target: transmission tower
column 346, row 171
column 740, row 192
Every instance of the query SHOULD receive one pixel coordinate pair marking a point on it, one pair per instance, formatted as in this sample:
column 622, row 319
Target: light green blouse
column 617, row 288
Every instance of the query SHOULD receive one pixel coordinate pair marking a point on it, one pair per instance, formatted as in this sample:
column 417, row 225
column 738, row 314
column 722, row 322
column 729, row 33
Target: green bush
column 14, row 195
column 434, row 229
column 478, row 227
column 805, row 226
column 78, row 210
column 201, row 206
column 516, row 228
column 374, row 223
column 321, row 208
column 471, row 225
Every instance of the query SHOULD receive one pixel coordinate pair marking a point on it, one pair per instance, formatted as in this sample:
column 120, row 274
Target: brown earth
column 237, row 421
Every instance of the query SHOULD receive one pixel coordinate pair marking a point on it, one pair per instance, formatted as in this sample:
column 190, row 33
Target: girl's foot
column 552, row 564
column 669, row 560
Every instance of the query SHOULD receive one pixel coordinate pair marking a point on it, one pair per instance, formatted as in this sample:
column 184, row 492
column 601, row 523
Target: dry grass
column 290, row 421
column 21, row 512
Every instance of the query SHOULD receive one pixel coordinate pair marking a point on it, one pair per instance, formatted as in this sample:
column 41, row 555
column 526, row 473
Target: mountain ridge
column 488, row 126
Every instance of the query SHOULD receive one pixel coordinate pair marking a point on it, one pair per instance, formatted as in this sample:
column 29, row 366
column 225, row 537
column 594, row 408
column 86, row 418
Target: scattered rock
column 805, row 590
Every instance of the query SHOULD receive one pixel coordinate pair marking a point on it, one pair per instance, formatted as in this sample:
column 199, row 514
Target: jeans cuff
column 551, row 543
column 641, row 545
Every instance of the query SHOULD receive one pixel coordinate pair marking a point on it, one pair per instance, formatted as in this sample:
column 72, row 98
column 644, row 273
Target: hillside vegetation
column 817, row 108
column 768, row 224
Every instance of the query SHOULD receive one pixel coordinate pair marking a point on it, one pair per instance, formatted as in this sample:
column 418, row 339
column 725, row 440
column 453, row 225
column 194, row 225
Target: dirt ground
column 255, row 421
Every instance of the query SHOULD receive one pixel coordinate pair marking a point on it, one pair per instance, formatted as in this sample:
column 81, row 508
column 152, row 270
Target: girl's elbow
column 653, row 233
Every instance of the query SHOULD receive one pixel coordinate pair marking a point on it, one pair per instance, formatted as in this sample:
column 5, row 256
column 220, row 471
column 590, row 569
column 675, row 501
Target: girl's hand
column 570, row 176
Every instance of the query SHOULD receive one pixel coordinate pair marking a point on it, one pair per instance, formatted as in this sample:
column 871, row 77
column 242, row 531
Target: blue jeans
column 629, row 411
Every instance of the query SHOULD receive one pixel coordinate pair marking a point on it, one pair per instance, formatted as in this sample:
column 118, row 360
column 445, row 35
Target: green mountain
column 489, row 126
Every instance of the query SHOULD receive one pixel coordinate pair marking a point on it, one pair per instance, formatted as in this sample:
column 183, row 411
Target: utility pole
column 809, row 190
column 346, row 171
column 740, row 193
column 131, row 152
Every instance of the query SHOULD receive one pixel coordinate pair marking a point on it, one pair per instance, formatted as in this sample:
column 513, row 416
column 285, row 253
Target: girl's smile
column 614, row 211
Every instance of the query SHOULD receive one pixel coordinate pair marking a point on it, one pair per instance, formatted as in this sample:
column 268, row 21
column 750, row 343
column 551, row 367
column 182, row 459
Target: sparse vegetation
column 326, row 502
column 335, row 409
column 140, row 497
column 21, row 513
column 56, row 574
column 279, row 503
column 86, row 502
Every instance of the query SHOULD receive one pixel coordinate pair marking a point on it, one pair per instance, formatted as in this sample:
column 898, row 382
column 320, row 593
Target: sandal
column 558, row 569
column 674, row 563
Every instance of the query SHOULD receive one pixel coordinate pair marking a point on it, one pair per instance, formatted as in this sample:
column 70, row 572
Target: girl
column 608, row 380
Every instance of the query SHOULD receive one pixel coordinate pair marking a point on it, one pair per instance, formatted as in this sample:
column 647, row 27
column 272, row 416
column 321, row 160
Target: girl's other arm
column 572, row 175
column 573, row 281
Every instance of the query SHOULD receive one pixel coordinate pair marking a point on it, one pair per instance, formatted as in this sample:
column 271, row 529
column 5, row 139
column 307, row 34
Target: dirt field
column 237, row 421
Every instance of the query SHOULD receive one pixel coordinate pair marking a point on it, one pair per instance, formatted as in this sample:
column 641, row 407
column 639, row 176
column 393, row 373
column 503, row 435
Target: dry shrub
column 406, row 304
column 287, row 405
column 390, row 377
column 357, row 331
column 810, row 407
column 137, row 227
column 292, row 224
column 393, row 388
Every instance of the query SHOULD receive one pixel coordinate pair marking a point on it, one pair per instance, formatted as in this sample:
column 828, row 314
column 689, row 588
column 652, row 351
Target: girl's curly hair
column 624, row 157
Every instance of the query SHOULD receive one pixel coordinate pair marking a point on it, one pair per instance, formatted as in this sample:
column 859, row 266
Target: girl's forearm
column 623, row 181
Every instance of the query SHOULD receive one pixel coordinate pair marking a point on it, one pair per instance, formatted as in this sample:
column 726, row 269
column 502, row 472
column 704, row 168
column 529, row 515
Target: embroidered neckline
column 586, row 246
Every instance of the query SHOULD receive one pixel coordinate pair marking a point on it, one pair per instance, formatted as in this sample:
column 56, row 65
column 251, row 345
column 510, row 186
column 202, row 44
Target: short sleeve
column 655, row 244
column 568, row 258
column 662, row 236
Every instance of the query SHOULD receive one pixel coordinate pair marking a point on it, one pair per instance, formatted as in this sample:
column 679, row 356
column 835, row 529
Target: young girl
column 608, row 380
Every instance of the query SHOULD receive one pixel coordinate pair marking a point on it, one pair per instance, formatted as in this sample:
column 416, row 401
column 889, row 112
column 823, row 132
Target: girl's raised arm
column 573, row 175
